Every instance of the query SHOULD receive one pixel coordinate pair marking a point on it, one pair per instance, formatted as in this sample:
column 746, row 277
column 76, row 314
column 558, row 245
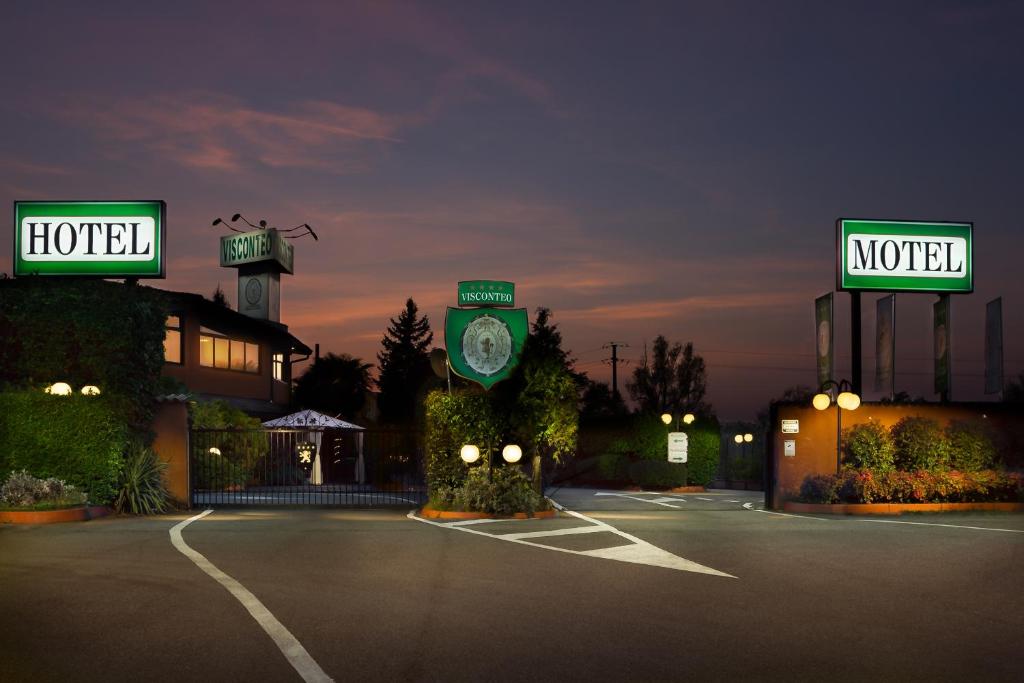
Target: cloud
column 211, row 132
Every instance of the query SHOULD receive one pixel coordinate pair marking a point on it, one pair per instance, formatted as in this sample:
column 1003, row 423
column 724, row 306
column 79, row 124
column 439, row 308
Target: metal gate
column 329, row 467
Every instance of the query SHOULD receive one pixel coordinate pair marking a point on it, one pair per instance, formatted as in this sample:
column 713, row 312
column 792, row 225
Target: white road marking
column 553, row 532
column 640, row 552
column 289, row 646
column 464, row 522
column 895, row 521
column 642, row 500
column 748, row 506
column 707, row 499
column 733, row 501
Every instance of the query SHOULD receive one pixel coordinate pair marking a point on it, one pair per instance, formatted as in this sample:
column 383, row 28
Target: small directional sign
column 677, row 446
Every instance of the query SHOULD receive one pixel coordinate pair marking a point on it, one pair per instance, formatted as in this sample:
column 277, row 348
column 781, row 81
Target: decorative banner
column 90, row 239
column 943, row 342
column 904, row 256
column 484, row 343
column 885, row 345
column 487, row 293
column 257, row 246
column 824, row 337
column 994, row 346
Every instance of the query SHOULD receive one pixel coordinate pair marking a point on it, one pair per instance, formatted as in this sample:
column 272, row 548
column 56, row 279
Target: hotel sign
column 904, row 256
column 90, row 239
column 256, row 246
column 493, row 293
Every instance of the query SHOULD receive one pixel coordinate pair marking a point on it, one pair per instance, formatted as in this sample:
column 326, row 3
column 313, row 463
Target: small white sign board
column 791, row 426
column 677, row 446
column 789, row 448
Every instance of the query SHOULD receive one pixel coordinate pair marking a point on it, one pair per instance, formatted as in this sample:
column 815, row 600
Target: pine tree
column 404, row 364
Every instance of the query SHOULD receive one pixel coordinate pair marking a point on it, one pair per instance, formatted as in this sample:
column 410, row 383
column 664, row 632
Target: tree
column 541, row 397
column 334, row 385
column 404, row 363
column 673, row 380
column 219, row 297
column 599, row 403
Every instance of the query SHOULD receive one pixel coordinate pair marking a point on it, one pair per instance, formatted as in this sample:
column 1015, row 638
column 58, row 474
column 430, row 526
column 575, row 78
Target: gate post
column 170, row 423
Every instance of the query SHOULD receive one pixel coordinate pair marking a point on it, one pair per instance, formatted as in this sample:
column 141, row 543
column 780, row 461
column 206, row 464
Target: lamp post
column 686, row 418
column 842, row 395
column 470, row 453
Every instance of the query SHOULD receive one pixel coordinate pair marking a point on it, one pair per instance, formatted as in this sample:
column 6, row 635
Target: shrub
column 657, row 473
column 819, row 488
column 921, row 486
column 612, row 466
column 79, row 439
column 869, row 446
column 921, row 444
column 22, row 490
column 213, row 471
column 649, row 441
column 85, row 332
column 509, row 491
column 143, row 490
column 453, row 420
column 971, row 445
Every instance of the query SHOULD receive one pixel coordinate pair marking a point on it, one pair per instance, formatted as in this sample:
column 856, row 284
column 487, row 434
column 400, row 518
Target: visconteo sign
column 90, row 239
column 256, row 246
column 904, row 256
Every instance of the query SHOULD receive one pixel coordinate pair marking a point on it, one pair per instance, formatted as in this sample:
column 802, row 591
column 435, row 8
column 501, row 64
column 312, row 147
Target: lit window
column 279, row 367
column 218, row 351
column 252, row 357
column 172, row 339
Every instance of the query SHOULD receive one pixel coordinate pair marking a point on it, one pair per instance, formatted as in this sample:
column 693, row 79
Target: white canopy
column 311, row 420
column 315, row 423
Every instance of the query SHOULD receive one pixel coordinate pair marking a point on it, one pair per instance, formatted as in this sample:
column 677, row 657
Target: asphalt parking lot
column 593, row 594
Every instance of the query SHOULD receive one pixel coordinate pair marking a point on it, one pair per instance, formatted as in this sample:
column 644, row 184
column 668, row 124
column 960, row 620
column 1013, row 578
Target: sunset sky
column 639, row 168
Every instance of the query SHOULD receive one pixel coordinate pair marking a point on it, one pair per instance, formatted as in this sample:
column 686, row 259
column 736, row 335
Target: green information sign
column 90, row 239
column 904, row 256
column 487, row 293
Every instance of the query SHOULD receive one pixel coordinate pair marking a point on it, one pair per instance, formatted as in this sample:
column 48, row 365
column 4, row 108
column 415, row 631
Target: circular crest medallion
column 487, row 345
column 253, row 291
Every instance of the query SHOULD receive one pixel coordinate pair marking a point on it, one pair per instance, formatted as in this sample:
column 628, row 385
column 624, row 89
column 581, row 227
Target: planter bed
column 75, row 514
column 430, row 513
column 898, row 508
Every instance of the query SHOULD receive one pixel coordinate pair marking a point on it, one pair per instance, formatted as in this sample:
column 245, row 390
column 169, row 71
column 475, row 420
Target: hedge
column 866, row 486
column 80, row 439
column 453, row 420
column 647, row 443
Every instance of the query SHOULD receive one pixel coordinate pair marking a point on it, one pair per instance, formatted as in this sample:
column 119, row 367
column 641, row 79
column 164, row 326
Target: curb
column 79, row 514
column 430, row 513
column 898, row 508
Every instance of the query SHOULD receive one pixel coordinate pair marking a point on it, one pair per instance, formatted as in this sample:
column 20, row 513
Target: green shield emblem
column 484, row 343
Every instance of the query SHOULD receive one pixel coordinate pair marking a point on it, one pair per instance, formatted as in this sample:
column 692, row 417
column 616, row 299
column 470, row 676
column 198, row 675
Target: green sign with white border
column 104, row 239
column 487, row 293
column 484, row 343
column 904, row 256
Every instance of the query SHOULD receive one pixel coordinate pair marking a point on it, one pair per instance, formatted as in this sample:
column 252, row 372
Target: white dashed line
column 289, row 646
column 894, row 521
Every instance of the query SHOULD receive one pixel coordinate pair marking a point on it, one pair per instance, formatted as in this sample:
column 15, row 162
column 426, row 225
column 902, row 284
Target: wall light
column 688, row 418
column 738, row 438
column 821, row 401
column 59, row 389
column 666, row 418
column 748, row 437
column 90, row 390
column 214, row 450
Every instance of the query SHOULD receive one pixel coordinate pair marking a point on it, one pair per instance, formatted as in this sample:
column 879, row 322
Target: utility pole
column 614, row 362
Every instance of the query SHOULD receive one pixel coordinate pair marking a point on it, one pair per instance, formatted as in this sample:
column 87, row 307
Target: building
column 221, row 354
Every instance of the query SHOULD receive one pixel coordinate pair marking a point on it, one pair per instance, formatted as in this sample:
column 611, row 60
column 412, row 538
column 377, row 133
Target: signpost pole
column 855, row 342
